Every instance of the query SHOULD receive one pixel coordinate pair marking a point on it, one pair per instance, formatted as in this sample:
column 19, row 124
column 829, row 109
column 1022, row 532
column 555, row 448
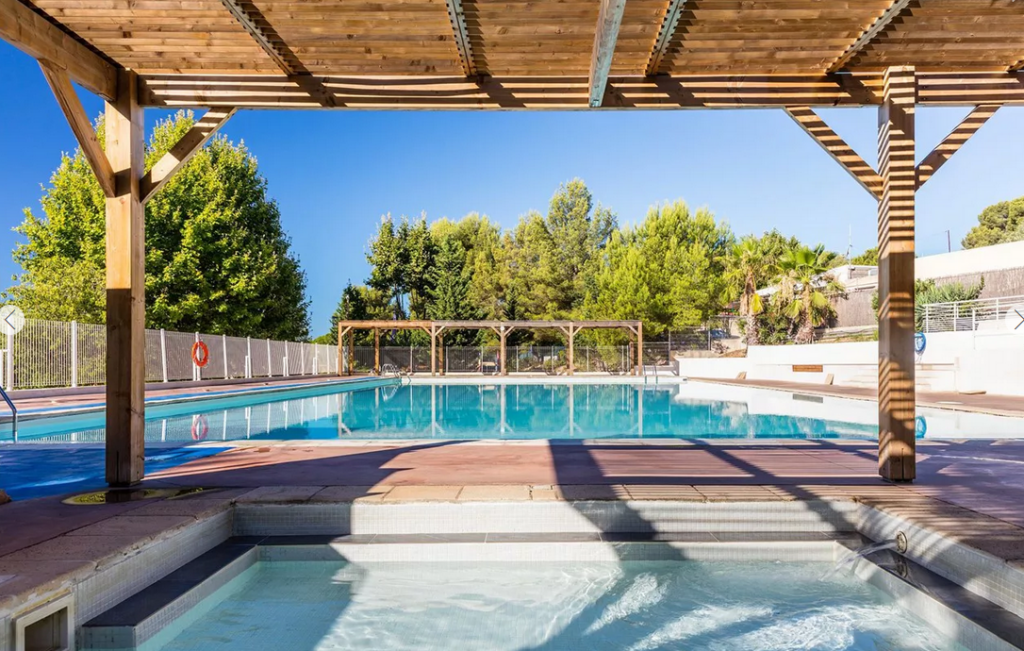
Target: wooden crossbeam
column 38, row 37
column 562, row 93
column 665, row 35
column 185, row 148
column 609, row 19
column 67, row 98
column 1016, row 67
column 457, row 17
column 869, row 34
column 837, row 148
column 250, row 18
column 952, row 143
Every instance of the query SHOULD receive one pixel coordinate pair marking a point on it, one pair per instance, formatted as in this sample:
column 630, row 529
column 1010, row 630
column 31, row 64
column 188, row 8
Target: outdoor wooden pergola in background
column 501, row 328
column 521, row 54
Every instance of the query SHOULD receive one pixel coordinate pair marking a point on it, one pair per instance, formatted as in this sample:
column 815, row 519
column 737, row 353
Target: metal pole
column 197, row 373
column 163, row 353
column 270, row 365
column 9, row 380
column 302, row 359
column 74, row 353
column 248, row 357
column 224, row 344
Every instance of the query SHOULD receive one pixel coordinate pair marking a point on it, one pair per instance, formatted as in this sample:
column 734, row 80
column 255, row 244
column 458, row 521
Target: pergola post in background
column 640, row 347
column 433, row 350
column 376, row 351
column 351, row 351
column 896, row 381
column 126, row 300
column 503, row 363
column 571, row 332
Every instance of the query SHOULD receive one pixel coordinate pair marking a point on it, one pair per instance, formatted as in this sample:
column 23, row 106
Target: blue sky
column 335, row 173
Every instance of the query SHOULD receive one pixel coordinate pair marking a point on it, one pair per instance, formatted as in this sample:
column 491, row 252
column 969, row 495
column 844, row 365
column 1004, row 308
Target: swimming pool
column 627, row 606
column 388, row 409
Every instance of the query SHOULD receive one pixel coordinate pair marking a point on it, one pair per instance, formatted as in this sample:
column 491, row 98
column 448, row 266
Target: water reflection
column 496, row 411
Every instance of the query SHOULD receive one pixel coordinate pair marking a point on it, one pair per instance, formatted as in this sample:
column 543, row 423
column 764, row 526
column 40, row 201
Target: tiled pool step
column 552, row 516
column 138, row 618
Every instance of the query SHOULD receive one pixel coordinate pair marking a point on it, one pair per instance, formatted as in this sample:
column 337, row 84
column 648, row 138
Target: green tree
column 807, row 289
column 450, row 289
column 869, row 257
column 389, row 261
column 748, row 267
column 668, row 271
column 998, row 223
column 578, row 229
column 217, row 260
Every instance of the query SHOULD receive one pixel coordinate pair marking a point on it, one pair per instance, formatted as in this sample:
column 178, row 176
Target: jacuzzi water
column 518, row 411
column 630, row 606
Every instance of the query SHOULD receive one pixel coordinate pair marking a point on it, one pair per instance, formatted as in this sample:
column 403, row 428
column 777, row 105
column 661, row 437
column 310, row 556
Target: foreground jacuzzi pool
column 628, row 606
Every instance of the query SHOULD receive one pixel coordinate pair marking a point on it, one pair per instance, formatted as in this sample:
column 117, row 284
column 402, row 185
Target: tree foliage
column 217, row 260
column 807, row 289
column 999, row 223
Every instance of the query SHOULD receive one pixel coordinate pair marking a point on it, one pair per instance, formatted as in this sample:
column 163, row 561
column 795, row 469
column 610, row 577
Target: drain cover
column 122, row 495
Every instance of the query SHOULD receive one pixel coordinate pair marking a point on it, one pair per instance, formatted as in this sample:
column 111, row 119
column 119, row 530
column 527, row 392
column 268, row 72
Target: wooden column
column 640, row 347
column 896, row 391
column 376, row 351
column 440, row 353
column 351, row 351
column 502, row 340
column 433, row 351
column 126, row 301
column 572, row 336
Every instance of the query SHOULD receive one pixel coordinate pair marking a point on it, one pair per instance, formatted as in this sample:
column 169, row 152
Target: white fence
column 47, row 354
column 966, row 316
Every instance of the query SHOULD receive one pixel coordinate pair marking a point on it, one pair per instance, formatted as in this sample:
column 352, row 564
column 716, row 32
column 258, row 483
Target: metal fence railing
column 50, row 354
column 964, row 315
column 519, row 359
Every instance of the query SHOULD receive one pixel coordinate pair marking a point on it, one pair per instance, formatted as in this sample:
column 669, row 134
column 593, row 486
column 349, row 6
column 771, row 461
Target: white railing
column 484, row 359
column 966, row 315
column 50, row 354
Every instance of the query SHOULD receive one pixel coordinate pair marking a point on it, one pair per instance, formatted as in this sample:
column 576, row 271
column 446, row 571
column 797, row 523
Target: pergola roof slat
column 521, row 54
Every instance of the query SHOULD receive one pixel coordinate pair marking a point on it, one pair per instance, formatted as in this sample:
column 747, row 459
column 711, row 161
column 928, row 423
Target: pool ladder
column 14, row 414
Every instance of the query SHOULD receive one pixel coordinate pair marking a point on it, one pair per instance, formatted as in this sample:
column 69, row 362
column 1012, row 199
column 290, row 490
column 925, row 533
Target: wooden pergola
column 501, row 328
column 226, row 55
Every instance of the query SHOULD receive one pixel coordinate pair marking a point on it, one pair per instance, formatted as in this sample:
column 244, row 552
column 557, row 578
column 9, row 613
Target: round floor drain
column 122, row 495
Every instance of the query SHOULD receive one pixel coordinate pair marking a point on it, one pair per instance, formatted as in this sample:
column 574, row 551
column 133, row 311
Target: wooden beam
column 869, row 34
column 609, row 19
column 572, row 360
column 952, row 143
column 69, row 103
column 640, row 347
column 433, row 352
column 254, row 22
column 351, row 351
column 1016, row 67
column 185, row 148
column 126, row 300
column 665, row 35
column 457, row 17
column 36, row 35
column 376, row 351
column 280, row 91
column 837, row 148
column 896, row 378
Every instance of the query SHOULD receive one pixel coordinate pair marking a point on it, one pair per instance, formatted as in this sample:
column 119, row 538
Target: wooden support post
column 126, row 301
column 640, row 347
column 376, row 351
column 433, row 351
column 502, row 340
column 896, row 390
column 572, row 336
column 440, row 352
column 351, row 351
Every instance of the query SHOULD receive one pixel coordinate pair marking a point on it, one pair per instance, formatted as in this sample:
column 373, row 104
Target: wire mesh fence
column 50, row 354
column 486, row 360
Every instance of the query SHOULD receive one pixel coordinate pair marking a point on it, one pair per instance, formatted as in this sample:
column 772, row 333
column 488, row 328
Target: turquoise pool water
column 516, row 411
column 631, row 606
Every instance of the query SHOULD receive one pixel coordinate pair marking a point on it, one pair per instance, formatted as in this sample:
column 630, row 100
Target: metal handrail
column 966, row 315
column 14, row 414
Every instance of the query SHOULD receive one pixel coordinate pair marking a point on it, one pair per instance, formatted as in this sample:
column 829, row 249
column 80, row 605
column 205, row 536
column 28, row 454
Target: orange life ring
column 205, row 359
column 200, row 428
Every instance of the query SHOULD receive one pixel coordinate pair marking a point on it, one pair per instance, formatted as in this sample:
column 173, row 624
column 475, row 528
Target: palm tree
column 807, row 288
column 749, row 264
